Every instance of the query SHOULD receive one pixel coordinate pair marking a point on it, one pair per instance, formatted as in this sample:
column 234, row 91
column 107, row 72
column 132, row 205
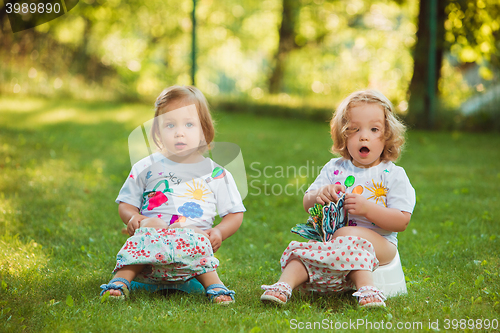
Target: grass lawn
column 62, row 164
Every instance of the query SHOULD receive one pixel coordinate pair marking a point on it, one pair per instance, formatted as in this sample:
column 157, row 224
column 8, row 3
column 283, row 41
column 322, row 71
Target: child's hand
column 328, row 193
column 197, row 230
column 356, row 204
column 215, row 237
column 134, row 223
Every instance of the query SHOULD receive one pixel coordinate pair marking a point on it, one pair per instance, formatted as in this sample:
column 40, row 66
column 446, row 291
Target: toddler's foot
column 222, row 298
column 218, row 293
column 117, row 292
column 369, row 296
column 278, row 293
column 117, row 288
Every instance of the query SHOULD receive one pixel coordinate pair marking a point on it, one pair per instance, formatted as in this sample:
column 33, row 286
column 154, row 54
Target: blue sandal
column 212, row 294
column 111, row 286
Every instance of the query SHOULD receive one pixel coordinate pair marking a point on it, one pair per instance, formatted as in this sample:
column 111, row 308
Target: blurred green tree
column 468, row 30
column 286, row 43
column 420, row 94
column 307, row 51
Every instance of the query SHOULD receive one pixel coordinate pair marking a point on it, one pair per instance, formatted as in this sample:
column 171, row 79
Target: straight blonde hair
column 187, row 94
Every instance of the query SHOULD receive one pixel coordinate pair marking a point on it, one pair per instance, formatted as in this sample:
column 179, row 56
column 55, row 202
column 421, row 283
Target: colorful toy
column 323, row 221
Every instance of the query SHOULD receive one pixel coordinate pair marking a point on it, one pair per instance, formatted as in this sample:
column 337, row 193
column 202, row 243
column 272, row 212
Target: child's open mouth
column 364, row 151
column 180, row 145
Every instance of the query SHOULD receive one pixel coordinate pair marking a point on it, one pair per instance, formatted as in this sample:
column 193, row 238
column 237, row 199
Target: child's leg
column 127, row 272
column 294, row 273
column 363, row 279
column 195, row 229
column 157, row 223
column 384, row 250
column 153, row 222
column 207, row 279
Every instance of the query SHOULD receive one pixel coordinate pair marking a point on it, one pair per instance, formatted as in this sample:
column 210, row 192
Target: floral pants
column 170, row 255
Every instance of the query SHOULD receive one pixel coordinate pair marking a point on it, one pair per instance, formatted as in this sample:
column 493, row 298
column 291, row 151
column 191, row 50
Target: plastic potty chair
column 390, row 278
column 191, row 287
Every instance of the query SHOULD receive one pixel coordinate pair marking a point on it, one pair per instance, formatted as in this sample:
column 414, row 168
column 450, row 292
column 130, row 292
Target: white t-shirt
column 386, row 184
column 191, row 193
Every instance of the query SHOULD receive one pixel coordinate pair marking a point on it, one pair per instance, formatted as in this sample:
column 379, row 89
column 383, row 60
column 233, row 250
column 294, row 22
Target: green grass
column 62, row 164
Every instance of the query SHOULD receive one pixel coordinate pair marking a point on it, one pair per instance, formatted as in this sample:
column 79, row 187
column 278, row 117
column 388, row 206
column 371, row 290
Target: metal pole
column 431, row 79
column 193, row 45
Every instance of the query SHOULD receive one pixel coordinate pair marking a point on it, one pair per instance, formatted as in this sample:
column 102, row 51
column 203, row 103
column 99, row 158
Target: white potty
column 390, row 278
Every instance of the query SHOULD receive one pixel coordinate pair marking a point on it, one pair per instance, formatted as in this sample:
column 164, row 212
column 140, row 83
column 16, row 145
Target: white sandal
column 280, row 287
column 373, row 292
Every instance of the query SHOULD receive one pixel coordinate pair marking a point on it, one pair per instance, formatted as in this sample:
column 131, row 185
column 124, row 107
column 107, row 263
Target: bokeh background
column 72, row 90
column 437, row 60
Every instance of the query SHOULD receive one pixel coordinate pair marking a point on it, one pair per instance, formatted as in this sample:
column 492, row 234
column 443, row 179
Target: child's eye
column 188, row 125
column 375, row 129
column 169, row 125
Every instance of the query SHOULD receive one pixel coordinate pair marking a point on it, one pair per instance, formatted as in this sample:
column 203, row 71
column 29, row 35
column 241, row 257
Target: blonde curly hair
column 394, row 133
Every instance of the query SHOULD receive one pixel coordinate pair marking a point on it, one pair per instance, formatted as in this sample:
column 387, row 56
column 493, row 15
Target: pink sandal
column 373, row 292
column 280, row 287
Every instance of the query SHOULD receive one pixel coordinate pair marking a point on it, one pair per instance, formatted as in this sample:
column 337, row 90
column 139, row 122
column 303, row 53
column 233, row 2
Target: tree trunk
column 286, row 44
column 419, row 100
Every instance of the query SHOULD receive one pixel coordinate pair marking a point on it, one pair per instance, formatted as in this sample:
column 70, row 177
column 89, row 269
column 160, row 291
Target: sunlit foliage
column 130, row 49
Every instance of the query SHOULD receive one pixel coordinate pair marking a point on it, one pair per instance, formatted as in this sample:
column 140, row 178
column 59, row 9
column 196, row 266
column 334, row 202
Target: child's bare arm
column 226, row 228
column 130, row 216
column 390, row 219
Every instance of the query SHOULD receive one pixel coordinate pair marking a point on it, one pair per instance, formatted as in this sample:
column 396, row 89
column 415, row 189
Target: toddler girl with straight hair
column 170, row 199
column 379, row 200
